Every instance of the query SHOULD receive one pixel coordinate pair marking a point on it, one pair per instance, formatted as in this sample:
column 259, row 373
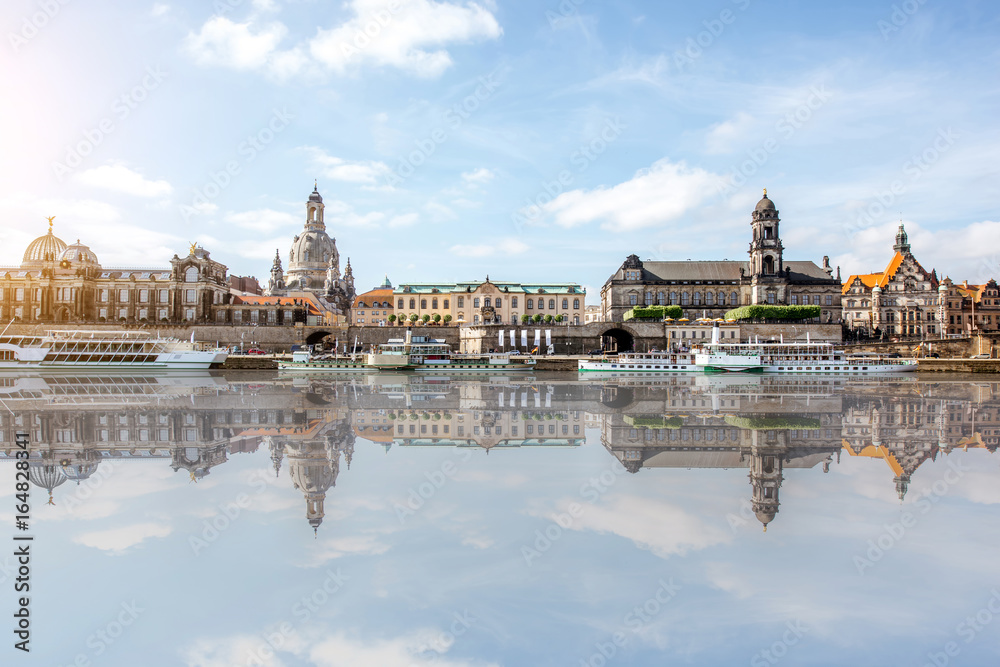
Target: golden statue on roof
column 193, row 247
column 50, row 219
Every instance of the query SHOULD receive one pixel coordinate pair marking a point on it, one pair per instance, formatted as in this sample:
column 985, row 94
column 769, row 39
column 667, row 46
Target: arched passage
column 316, row 336
column 617, row 340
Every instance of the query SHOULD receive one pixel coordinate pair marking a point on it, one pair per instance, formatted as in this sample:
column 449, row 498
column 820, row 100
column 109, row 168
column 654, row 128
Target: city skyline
column 654, row 127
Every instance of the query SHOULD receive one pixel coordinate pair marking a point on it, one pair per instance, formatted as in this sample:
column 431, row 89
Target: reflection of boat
column 412, row 353
column 103, row 351
column 93, row 389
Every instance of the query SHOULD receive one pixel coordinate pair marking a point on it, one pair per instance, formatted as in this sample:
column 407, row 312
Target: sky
column 528, row 141
column 124, row 542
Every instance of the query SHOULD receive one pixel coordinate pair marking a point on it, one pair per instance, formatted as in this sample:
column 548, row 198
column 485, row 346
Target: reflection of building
column 57, row 282
column 710, row 288
column 901, row 300
column 491, row 302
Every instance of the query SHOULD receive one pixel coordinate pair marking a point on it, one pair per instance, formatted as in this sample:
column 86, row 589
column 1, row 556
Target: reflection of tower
column 277, row 453
column 765, row 477
column 82, row 465
column 198, row 461
column 315, row 464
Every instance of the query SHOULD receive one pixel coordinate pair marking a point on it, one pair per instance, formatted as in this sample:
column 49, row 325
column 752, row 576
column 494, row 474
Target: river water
column 397, row 520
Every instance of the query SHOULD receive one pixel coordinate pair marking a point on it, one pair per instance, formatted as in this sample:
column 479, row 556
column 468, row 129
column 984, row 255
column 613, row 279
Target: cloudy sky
column 530, row 141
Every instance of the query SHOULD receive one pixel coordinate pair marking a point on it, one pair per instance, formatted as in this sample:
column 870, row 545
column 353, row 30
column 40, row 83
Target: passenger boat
column 86, row 350
column 412, row 353
column 781, row 357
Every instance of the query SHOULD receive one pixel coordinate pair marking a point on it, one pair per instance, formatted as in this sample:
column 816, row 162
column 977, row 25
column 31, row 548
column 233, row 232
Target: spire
column 902, row 244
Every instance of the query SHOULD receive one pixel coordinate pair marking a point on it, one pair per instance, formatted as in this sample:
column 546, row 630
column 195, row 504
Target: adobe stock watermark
column 565, row 10
column 899, row 17
column 246, row 152
column 101, row 640
column 121, row 108
column 914, row 168
column 32, row 25
column 581, row 159
column 635, row 620
column 454, row 117
column 590, row 491
column 696, row 46
column 785, row 128
column 970, row 628
column 773, row 654
column 213, row 528
column 86, row 488
column 303, row 609
column 442, row 642
column 893, row 533
column 423, row 492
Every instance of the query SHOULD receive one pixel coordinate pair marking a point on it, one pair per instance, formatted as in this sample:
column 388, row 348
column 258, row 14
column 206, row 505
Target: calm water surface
column 397, row 520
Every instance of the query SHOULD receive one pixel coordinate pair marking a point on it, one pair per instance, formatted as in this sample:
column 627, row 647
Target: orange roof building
column 902, row 300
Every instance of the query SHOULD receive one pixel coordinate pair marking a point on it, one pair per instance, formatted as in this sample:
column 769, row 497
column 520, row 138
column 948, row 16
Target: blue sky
column 529, row 141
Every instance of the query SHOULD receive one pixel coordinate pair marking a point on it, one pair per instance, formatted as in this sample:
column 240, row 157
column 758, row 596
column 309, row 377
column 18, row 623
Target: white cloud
column 227, row 652
column 481, row 175
column 119, row 178
column 119, row 540
column 159, row 9
column 221, row 42
column 504, row 247
column 662, row 193
column 410, row 38
column 263, row 220
column 405, row 220
column 366, row 545
column 726, row 136
column 368, row 172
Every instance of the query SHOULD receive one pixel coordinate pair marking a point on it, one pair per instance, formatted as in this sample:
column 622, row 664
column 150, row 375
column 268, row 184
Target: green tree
column 548, row 319
column 392, row 319
column 436, row 318
column 413, row 317
column 425, row 319
column 525, row 319
column 559, row 318
column 537, row 319
column 447, row 318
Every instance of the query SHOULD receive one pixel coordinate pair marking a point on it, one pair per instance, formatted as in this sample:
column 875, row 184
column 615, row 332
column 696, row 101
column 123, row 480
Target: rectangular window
column 103, row 313
column 143, row 314
column 163, row 296
column 189, row 296
column 475, row 302
column 144, row 296
column 794, row 300
column 531, row 304
column 461, row 302
column 161, row 314
column 189, row 314
column 123, row 296
column 446, row 305
column 513, row 302
column 19, row 294
column 829, row 299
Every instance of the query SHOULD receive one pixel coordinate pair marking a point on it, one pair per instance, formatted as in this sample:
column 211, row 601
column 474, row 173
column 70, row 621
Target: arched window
column 709, row 299
column 498, row 303
column 565, row 304
column 673, row 298
column 446, row 306
column 513, row 302
column 191, row 275
column 661, row 299
column 576, row 304
column 423, row 304
column 722, row 298
column 697, row 298
column 486, row 301
column 413, row 304
column 434, row 303
column 400, row 306
column 733, row 299
column 685, row 299
column 648, row 299
column 531, row 304
column 552, row 304
column 768, row 265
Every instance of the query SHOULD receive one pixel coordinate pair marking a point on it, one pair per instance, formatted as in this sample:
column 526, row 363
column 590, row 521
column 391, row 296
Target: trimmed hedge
column 773, row 423
column 653, row 313
column 766, row 312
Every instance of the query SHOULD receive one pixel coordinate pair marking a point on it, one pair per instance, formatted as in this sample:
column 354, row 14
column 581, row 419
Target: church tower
column 313, row 252
column 766, row 248
column 902, row 245
column 765, row 477
column 276, row 285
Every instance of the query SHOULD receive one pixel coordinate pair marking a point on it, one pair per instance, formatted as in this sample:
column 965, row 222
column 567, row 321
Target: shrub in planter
column 392, row 319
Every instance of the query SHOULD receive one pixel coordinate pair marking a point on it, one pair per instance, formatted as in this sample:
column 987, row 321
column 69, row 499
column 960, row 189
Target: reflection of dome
column 765, row 517
column 44, row 248
column 46, row 476
column 79, row 254
column 765, row 204
column 81, row 469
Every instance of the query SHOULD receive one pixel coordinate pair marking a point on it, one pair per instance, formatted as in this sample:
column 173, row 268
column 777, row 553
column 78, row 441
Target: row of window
column 487, row 302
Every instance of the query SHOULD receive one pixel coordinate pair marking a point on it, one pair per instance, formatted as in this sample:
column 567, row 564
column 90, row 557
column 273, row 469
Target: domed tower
column 46, row 476
column 44, row 250
column 276, row 284
column 902, row 245
column 313, row 252
column 314, row 468
column 765, row 248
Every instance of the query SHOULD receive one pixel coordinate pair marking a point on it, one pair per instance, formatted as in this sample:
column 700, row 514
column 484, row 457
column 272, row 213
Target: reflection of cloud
column 354, row 545
column 662, row 528
column 227, row 652
column 105, row 493
column 118, row 540
column 724, row 577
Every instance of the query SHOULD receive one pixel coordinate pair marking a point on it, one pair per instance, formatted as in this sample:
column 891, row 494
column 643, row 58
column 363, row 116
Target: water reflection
column 770, row 426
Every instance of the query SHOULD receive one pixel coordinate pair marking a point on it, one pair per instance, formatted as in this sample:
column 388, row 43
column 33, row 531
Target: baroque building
column 314, row 264
column 490, row 302
column 710, row 288
column 902, row 300
column 59, row 282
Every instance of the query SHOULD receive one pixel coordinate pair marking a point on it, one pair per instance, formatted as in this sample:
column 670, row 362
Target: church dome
column 765, row 204
column 44, row 248
column 79, row 254
column 46, row 476
column 315, row 196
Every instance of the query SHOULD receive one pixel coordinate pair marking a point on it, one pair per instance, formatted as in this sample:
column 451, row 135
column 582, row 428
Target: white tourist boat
column 89, row 350
column 411, row 353
column 781, row 357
